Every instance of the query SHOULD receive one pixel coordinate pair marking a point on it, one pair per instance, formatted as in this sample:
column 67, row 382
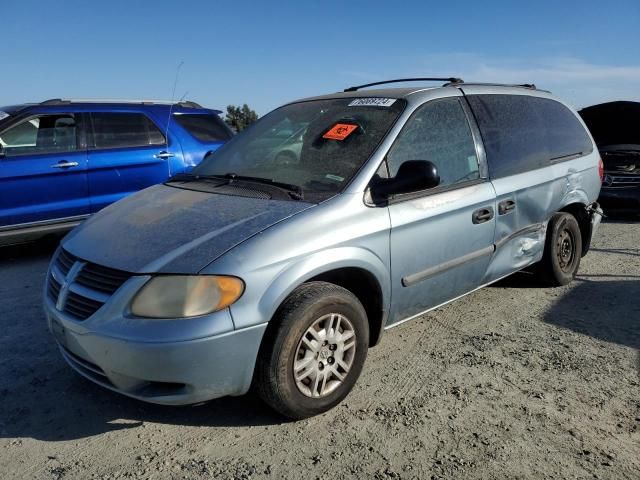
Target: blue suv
column 62, row 160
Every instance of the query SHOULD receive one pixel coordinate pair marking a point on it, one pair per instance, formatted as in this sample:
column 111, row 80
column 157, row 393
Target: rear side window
column 119, row 130
column 206, row 128
column 522, row 133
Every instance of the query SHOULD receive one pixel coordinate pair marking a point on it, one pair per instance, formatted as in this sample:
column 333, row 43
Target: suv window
column 40, row 135
column 522, row 133
column 206, row 128
column 118, row 130
column 438, row 132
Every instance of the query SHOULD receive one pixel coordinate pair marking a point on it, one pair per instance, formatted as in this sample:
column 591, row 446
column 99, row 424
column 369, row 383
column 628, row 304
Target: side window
column 438, row 132
column 565, row 134
column 120, row 130
column 206, row 128
column 513, row 133
column 40, row 135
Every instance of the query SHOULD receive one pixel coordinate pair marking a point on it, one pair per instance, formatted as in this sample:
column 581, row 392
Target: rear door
column 43, row 170
column 127, row 152
column 442, row 238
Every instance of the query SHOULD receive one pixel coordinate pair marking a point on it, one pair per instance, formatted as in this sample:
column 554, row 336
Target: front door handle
column 506, row 206
column 164, row 155
column 482, row 215
column 64, row 164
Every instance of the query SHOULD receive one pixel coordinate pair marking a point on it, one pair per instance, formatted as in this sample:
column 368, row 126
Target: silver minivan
column 251, row 271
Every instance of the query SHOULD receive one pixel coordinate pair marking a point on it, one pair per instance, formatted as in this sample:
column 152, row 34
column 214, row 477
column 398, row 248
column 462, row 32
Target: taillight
column 601, row 169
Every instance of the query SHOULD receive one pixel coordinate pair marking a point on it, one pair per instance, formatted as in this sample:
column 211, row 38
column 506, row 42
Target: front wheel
column 562, row 250
column 314, row 350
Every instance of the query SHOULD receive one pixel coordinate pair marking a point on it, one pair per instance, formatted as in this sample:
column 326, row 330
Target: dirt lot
column 513, row 381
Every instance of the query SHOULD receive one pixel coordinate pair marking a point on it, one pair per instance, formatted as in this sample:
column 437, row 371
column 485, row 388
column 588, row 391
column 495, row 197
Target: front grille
column 65, row 261
column 622, row 180
column 87, row 289
column 101, row 278
column 81, row 307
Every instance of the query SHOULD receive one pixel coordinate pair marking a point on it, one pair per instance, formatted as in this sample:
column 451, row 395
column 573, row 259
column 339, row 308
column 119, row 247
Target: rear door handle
column 164, row 155
column 506, row 206
column 482, row 215
column 64, row 164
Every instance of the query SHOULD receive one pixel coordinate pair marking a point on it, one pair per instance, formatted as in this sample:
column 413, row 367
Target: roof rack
column 66, row 101
column 449, row 80
column 531, row 86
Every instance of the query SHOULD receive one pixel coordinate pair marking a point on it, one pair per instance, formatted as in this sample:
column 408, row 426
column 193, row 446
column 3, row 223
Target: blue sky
column 267, row 53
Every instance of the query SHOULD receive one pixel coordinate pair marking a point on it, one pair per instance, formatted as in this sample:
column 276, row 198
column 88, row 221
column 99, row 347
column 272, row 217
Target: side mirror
column 412, row 176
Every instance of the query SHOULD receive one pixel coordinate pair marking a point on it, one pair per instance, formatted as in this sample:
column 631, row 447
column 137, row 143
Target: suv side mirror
column 412, row 176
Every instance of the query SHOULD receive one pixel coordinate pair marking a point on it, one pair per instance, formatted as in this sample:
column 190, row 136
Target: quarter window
column 40, row 135
column 523, row 133
column 438, row 132
column 206, row 128
column 120, row 130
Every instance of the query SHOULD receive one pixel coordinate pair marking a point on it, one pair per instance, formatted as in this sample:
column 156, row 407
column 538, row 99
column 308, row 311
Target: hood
column 170, row 230
column 613, row 123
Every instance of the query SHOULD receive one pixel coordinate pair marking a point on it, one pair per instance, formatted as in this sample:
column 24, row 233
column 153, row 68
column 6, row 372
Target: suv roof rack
column 449, row 80
column 531, row 86
column 66, row 101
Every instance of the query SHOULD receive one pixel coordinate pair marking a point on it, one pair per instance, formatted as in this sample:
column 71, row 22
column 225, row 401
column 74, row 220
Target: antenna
column 173, row 94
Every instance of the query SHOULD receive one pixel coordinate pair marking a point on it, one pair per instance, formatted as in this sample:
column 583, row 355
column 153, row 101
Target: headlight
column 176, row 296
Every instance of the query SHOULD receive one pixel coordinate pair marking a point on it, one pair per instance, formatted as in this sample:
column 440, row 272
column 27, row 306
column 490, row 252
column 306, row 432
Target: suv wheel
column 562, row 250
column 314, row 350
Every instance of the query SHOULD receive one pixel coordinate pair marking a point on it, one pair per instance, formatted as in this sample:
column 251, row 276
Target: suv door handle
column 482, row 215
column 64, row 164
column 164, row 155
column 506, row 206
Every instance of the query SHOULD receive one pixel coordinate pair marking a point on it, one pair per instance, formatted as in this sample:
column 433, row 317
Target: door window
column 40, row 135
column 438, row 132
column 122, row 130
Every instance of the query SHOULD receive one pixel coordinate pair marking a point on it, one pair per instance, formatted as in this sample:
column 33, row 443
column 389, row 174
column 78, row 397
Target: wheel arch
column 358, row 270
column 581, row 214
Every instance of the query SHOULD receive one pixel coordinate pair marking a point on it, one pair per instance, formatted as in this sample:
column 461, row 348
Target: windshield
column 316, row 145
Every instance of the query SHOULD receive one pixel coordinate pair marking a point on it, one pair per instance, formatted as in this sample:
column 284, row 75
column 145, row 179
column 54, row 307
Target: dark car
column 615, row 127
column 62, row 160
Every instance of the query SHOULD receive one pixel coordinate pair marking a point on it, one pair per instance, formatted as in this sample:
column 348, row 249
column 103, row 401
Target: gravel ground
column 513, row 381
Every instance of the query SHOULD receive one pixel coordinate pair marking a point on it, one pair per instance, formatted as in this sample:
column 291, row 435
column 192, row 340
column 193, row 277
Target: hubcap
column 565, row 250
column 324, row 355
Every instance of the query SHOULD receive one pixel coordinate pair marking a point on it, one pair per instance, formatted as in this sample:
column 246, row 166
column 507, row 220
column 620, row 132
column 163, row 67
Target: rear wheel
column 314, row 351
column 562, row 250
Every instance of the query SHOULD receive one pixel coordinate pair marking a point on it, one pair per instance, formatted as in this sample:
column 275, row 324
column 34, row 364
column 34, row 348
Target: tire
column 312, row 311
column 562, row 251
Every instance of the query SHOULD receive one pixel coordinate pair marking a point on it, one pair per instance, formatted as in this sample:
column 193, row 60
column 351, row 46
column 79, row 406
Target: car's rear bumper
column 169, row 373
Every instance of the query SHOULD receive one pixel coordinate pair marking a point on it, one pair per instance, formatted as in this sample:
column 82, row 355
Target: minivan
column 63, row 160
column 247, row 271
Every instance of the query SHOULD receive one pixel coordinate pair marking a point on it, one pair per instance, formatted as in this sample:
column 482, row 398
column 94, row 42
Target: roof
column 105, row 104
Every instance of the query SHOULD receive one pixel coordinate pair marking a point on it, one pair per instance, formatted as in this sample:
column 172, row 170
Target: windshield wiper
column 294, row 191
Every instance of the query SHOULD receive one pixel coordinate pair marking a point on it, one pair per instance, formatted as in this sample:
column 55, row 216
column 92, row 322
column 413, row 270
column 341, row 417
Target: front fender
column 259, row 305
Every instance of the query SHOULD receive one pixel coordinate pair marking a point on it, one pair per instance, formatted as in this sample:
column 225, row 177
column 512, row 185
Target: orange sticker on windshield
column 340, row 131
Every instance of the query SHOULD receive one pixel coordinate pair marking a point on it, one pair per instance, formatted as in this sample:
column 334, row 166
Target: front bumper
column 167, row 372
column 620, row 199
